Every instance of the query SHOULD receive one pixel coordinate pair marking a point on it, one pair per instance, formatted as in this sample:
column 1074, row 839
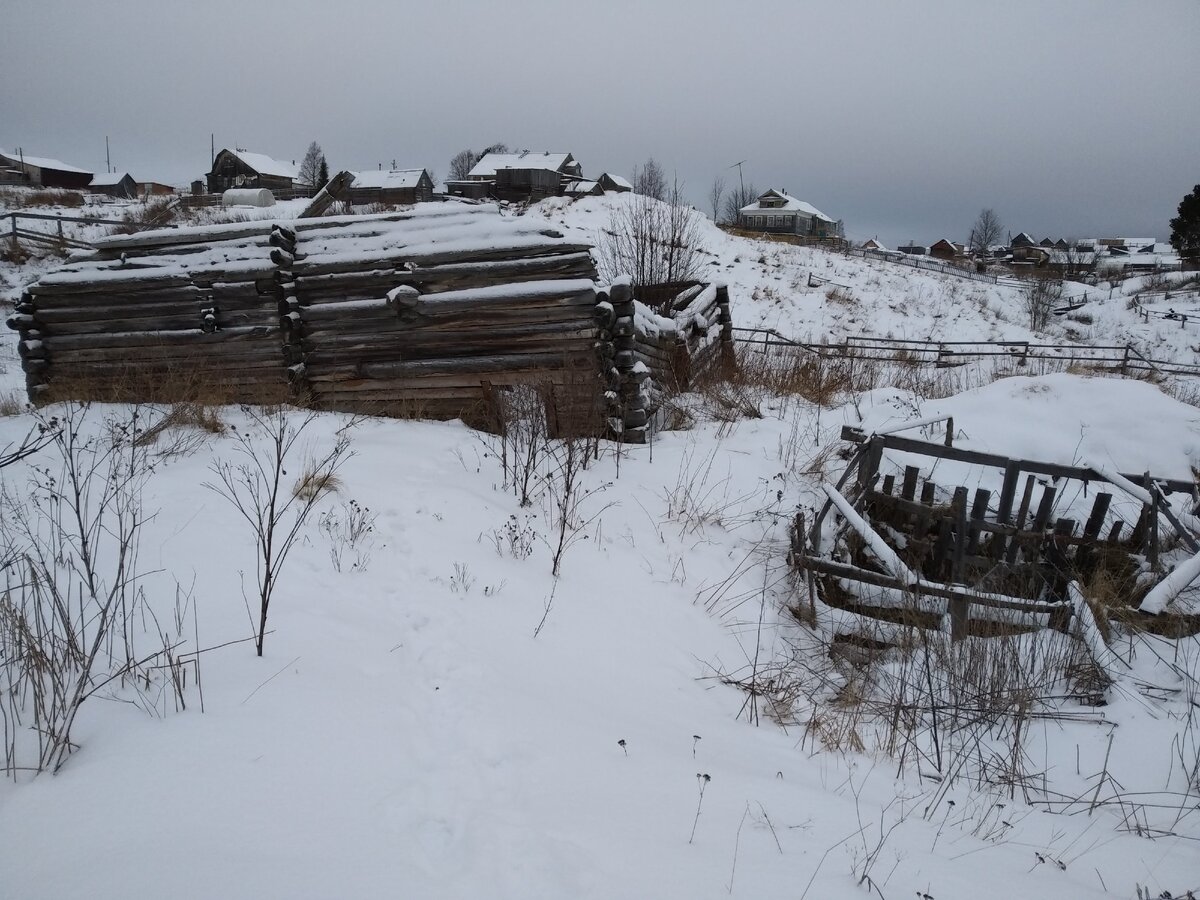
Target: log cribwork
column 421, row 313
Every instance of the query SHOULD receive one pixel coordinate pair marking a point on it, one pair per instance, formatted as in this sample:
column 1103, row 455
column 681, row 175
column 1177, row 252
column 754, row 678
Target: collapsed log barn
column 908, row 550
column 423, row 313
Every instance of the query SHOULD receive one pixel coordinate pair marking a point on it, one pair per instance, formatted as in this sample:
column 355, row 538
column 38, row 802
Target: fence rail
column 58, row 237
column 1124, row 358
column 930, row 265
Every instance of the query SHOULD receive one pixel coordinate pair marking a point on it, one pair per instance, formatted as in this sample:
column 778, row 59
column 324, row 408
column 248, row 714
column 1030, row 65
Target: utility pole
column 107, row 155
column 741, row 183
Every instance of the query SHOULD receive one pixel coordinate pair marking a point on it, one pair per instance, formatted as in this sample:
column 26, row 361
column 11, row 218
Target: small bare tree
column 462, row 164
column 275, row 511
column 1041, row 296
column 650, row 180
column 310, row 166
column 984, row 233
column 653, row 241
column 737, row 198
column 715, row 193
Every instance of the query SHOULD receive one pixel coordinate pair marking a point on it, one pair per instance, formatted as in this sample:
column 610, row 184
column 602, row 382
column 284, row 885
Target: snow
column 406, row 734
column 108, row 179
column 527, row 159
column 387, row 178
column 41, row 162
column 265, row 165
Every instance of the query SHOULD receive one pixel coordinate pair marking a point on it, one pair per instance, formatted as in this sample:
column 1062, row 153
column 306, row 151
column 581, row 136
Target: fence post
column 1125, row 361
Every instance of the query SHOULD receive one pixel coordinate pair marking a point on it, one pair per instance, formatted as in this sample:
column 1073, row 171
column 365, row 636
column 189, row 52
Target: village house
column 155, row 189
column 873, row 244
column 946, row 249
column 241, row 169
column 36, row 171
column 777, row 212
column 527, row 175
column 114, row 184
column 911, row 249
column 395, row 187
column 1022, row 240
column 614, row 183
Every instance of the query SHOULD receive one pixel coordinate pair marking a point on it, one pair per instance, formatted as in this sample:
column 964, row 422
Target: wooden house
column 873, row 244
column 614, row 183
column 913, row 249
column 1022, row 240
column 776, row 212
column 528, row 175
column 241, row 169
column 394, row 187
column 155, row 189
column 1046, row 242
column 39, row 171
column 945, row 249
column 114, row 184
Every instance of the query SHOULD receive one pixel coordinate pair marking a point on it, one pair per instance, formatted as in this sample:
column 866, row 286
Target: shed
column 44, row 172
column 584, row 189
column 614, row 183
column 154, row 189
column 242, row 169
column 114, row 184
column 945, row 249
column 391, row 186
column 913, row 249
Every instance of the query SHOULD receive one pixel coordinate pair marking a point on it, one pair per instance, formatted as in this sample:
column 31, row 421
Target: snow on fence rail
column 1123, row 358
column 929, row 265
column 423, row 313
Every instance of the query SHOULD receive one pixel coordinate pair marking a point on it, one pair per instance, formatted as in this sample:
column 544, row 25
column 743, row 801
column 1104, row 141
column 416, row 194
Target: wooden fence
column 58, row 237
column 422, row 313
column 1124, row 359
column 930, row 265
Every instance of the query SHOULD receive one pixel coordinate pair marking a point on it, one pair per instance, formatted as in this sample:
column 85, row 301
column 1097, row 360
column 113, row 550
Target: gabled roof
column 265, row 165
column 618, row 180
column 1024, row 238
column 109, row 179
column 872, row 244
column 526, row 159
column 41, row 162
column 791, row 204
column 387, row 178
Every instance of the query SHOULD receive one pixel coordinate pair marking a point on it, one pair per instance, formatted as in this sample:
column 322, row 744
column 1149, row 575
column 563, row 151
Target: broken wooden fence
column 998, row 559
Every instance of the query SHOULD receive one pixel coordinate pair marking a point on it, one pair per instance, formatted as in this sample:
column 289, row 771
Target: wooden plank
column 959, row 512
column 1012, row 472
column 909, row 491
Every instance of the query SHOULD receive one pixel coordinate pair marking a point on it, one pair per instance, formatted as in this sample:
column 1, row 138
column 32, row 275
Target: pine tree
column 323, row 173
column 1185, row 228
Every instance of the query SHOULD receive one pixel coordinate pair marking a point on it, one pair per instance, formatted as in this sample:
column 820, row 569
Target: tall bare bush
column 653, row 241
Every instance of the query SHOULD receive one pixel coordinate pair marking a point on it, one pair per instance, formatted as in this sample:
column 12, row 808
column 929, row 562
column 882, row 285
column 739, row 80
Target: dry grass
column 23, row 198
column 182, row 429
column 838, row 294
column 312, row 483
column 160, row 211
column 11, row 404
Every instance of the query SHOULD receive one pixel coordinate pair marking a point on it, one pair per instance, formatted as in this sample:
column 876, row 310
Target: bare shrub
column 74, row 616
column 350, row 530
column 159, row 211
column 839, row 294
column 1039, row 298
column 255, row 488
column 653, row 241
column 523, row 432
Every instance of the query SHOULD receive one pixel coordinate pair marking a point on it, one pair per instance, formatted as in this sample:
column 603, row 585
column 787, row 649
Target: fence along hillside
column 424, row 313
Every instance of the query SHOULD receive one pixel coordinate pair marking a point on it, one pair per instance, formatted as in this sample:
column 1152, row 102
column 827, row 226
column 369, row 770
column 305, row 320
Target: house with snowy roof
column 778, row 212
column 614, row 183
column 396, row 187
column 40, row 171
column 239, row 168
column 114, row 184
column 527, row 175
column 875, row 245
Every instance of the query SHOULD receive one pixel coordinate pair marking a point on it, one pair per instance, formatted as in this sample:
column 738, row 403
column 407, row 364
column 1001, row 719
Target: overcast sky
column 902, row 118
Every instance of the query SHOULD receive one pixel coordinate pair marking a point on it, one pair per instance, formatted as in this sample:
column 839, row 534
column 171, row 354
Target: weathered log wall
column 422, row 313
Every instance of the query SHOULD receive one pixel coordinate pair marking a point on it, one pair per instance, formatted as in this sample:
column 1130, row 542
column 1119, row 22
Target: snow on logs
column 424, row 312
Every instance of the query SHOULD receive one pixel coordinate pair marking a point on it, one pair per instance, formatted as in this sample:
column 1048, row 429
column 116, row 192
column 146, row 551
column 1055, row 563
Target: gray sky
column 902, row 118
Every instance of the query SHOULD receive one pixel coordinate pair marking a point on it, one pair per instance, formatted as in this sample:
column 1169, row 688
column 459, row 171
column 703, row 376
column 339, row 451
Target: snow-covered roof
column 581, row 187
column 526, row 159
column 873, row 244
column 109, row 179
column 387, row 178
column 791, row 204
column 41, row 162
column 265, row 165
column 618, row 180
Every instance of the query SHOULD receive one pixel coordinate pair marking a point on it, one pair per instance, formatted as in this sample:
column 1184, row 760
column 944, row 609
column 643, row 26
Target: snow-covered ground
column 407, row 734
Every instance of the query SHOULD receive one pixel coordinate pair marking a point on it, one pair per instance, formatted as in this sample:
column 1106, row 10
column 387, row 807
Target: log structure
column 422, row 313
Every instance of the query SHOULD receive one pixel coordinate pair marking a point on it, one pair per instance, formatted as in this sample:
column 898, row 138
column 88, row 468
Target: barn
column 242, row 169
column 395, row 187
column 528, row 175
column 584, row 189
column 42, row 172
column 614, row 183
column 114, row 184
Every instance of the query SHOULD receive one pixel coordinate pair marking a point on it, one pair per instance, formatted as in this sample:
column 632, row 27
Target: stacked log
column 430, row 317
column 157, row 315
